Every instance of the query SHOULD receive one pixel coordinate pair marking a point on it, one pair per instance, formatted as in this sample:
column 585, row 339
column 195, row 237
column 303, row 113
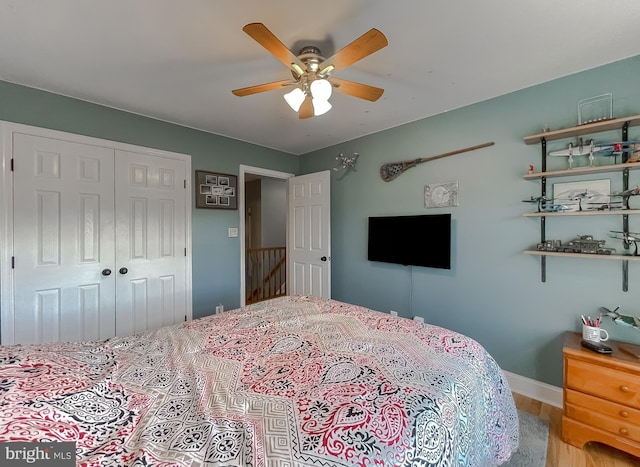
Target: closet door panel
column 63, row 240
column 150, row 241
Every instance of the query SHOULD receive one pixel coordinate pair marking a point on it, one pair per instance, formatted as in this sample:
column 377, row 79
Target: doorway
column 263, row 238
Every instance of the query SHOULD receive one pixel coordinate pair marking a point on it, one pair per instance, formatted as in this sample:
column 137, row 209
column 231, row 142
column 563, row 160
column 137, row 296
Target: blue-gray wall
column 216, row 258
column 493, row 293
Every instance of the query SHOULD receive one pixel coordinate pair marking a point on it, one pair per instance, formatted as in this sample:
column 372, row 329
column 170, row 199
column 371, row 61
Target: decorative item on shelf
column 439, row 195
column 584, row 244
column 596, row 206
column 628, row 239
column 625, row 195
column 392, row 170
column 595, row 109
column 574, row 193
column 547, row 205
column 633, row 155
column 216, row 190
column 630, row 149
column 580, row 149
column 346, row 162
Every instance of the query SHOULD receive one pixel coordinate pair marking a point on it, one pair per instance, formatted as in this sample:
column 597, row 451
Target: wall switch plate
column 233, row 232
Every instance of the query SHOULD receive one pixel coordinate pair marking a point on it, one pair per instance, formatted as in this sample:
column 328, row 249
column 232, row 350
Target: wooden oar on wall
column 391, row 170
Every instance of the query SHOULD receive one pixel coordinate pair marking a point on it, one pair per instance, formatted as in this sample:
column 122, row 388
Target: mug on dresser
column 594, row 333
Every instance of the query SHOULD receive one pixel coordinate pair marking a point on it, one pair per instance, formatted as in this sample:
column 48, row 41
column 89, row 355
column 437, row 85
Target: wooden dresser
column 601, row 395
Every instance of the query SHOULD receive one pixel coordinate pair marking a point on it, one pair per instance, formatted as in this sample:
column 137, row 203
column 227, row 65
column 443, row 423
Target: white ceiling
column 179, row 60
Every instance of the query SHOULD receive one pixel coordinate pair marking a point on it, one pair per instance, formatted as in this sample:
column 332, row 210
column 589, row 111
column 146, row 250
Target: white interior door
column 309, row 242
column 63, row 239
column 80, row 213
column 150, row 241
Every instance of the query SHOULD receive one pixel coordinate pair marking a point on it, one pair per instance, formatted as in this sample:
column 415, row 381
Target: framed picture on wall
column 584, row 195
column 216, row 190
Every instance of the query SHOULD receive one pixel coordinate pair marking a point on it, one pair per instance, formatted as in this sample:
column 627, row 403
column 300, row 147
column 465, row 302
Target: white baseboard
column 542, row 392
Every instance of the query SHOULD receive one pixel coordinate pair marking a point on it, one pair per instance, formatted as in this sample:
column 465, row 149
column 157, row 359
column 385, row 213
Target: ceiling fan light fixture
column 320, row 106
column 311, row 71
column 326, row 70
column 298, row 69
column 295, row 99
column 321, row 89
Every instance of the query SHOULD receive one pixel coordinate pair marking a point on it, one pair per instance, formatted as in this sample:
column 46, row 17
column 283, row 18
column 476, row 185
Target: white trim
column 6, row 242
column 537, row 390
column 246, row 169
column 6, row 210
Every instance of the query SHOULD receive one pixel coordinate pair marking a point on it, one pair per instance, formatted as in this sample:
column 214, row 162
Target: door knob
column 106, row 272
column 123, row 270
column 324, row 258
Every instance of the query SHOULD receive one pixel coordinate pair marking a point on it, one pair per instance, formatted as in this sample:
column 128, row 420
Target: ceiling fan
column 313, row 78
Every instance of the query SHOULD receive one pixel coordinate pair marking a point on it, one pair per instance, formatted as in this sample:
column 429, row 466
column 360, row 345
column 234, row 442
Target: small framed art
column 216, row 190
column 439, row 195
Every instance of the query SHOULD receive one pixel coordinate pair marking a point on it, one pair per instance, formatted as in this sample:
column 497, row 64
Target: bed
column 294, row 381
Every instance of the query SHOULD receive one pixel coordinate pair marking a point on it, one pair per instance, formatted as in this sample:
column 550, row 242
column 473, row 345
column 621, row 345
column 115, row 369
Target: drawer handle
column 624, row 414
column 624, row 388
column 624, row 431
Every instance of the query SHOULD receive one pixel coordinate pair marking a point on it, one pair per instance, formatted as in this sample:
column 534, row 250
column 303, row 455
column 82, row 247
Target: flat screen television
column 422, row 240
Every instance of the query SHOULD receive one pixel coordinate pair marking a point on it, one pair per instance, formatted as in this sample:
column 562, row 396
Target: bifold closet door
column 99, row 241
column 63, row 241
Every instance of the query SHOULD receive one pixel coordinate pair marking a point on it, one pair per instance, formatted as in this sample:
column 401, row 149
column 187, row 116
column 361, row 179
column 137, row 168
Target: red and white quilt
column 295, row 381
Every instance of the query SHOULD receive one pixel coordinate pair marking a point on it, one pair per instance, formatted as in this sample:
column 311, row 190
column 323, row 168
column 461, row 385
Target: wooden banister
column 266, row 273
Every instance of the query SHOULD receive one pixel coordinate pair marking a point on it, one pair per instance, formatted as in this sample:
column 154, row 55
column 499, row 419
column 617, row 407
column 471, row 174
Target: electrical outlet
column 393, row 313
column 419, row 319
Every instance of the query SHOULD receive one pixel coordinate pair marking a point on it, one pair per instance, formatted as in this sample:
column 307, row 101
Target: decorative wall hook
column 346, row 162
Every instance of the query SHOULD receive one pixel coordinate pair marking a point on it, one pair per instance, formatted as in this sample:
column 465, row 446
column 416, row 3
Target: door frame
column 246, row 169
column 6, row 210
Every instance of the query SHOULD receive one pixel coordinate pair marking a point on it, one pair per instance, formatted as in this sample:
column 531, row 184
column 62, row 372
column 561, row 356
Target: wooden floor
column 560, row 454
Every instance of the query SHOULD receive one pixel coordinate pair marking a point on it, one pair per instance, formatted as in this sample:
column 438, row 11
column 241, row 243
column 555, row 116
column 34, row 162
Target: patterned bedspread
column 295, row 381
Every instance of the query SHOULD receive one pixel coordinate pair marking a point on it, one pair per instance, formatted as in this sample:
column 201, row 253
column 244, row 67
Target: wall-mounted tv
column 422, row 240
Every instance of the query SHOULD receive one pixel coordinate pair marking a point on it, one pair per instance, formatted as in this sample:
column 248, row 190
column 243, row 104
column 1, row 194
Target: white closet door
column 63, row 241
column 150, row 242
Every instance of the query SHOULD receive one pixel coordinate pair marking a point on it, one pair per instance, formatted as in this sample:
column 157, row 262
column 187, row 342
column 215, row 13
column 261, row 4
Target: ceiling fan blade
column 263, row 87
column 259, row 33
column 363, row 91
column 306, row 109
column 370, row 42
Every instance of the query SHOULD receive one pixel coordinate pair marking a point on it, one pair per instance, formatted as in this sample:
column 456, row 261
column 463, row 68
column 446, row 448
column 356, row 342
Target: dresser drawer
column 600, row 381
column 615, row 426
column 615, row 411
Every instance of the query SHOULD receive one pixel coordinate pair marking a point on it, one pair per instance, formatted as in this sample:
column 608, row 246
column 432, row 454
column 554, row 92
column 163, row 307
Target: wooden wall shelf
column 596, row 169
column 611, row 212
column 624, row 168
column 607, row 125
column 581, row 255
